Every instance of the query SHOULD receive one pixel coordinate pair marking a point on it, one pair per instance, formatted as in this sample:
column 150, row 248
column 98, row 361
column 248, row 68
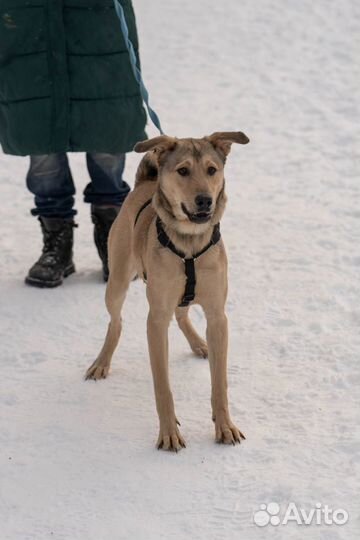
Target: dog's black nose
column 203, row 202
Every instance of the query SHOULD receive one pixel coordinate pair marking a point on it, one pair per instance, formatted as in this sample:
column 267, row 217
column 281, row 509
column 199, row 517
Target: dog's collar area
column 189, row 263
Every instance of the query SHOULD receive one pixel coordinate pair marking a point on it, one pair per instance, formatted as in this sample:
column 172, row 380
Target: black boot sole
column 42, row 284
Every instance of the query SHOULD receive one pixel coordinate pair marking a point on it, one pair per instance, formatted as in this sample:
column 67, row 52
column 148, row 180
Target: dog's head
column 190, row 195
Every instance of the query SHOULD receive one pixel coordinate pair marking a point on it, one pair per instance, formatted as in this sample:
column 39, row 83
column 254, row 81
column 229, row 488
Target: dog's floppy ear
column 222, row 140
column 161, row 143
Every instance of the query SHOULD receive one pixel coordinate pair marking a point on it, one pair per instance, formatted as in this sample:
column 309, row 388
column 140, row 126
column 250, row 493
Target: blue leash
column 137, row 73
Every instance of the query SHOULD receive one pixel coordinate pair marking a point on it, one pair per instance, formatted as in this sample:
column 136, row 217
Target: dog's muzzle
column 197, row 217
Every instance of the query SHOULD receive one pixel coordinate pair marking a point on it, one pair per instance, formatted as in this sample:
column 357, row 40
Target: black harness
column 189, row 263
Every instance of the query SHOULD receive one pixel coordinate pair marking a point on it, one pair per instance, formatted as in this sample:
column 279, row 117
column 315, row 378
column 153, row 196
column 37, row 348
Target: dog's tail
column 147, row 170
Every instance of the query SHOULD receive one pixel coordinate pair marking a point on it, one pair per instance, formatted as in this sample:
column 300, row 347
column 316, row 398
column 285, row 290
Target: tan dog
column 173, row 215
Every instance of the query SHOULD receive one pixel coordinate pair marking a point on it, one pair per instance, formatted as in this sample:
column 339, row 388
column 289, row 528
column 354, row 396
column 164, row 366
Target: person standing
column 66, row 85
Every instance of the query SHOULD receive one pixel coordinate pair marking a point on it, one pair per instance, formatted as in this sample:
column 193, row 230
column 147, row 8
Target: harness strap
column 141, row 209
column 165, row 240
column 190, row 284
column 189, row 263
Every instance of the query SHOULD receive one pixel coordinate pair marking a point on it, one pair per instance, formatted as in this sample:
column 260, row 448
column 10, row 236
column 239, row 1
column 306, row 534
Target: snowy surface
column 77, row 459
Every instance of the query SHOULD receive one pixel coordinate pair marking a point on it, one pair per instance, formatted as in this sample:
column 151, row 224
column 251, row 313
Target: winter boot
column 55, row 262
column 103, row 217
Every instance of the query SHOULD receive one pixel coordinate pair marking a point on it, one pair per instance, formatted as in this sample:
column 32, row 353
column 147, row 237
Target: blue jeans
column 50, row 180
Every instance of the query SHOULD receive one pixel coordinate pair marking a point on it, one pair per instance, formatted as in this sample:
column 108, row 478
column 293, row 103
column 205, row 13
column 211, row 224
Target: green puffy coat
column 66, row 82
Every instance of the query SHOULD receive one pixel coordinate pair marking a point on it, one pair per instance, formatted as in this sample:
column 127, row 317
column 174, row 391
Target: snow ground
column 78, row 459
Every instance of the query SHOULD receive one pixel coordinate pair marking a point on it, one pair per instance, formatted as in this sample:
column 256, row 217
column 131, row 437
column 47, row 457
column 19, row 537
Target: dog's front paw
column 226, row 432
column 170, row 439
column 97, row 371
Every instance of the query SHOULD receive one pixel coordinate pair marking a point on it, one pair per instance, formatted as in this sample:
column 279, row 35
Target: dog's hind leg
column 115, row 296
column 197, row 344
column 121, row 273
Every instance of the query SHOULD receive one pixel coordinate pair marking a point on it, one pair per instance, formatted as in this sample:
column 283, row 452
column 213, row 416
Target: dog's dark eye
column 211, row 171
column 183, row 171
